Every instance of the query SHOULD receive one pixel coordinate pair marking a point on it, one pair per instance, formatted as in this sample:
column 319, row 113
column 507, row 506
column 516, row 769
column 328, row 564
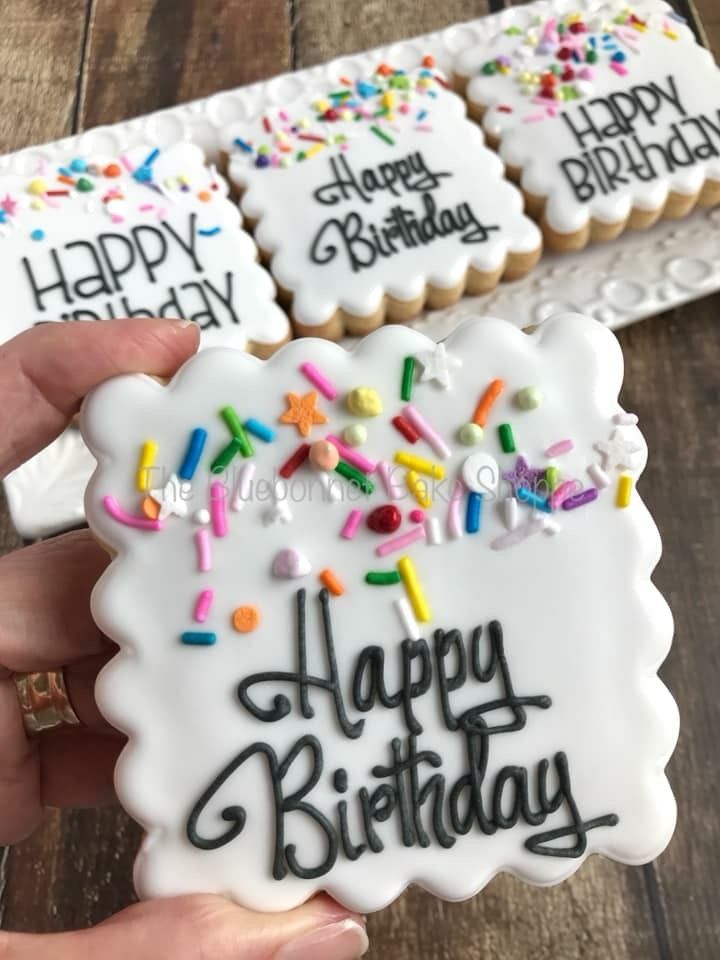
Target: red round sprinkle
column 384, row 519
column 417, row 516
column 331, row 114
column 428, row 61
column 112, row 170
column 568, row 73
column 564, row 53
column 578, row 27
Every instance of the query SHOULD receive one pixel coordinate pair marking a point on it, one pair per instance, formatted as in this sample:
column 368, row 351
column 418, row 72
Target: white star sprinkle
column 618, row 452
column 437, row 365
column 172, row 498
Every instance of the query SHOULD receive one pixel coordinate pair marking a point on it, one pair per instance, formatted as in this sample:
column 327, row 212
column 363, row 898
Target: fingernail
column 181, row 322
column 346, row 940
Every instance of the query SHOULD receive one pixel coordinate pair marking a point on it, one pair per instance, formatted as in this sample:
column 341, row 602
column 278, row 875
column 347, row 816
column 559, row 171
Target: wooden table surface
column 72, row 64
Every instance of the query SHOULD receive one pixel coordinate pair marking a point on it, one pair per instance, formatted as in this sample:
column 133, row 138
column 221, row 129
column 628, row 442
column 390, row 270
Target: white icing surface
column 281, row 199
column 110, row 278
column 582, row 621
column 537, row 143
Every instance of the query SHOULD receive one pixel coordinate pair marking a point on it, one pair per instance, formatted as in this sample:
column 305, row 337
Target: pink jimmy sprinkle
column 399, row 543
column 565, row 490
column 202, row 606
column 319, row 380
column 534, row 118
column 557, row 449
column 392, row 487
column 619, row 69
column 350, row 527
column 113, row 509
column 125, row 161
column 454, row 520
column 427, row 432
column 202, row 543
column 354, row 458
column 218, row 512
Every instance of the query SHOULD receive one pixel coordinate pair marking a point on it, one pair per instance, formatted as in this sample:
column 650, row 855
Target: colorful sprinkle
column 414, row 590
column 302, row 412
column 454, row 523
column 319, row 380
column 420, row 465
column 407, row 620
column 382, row 578
column 354, row 458
column 223, row 460
column 624, row 490
column 194, row 452
column 237, row 430
column 598, row 476
column 513, row 537
column 427, row 432
column 533, row 499
column 203, row 605
column 408, row 376
column 529, row 398
column 473, row 512
column 566, row 489
column 295, row 460
column 148, row 453
column 364, row 402
column 389, row 481
column 203, row 548
column 323, row 455
column 400, row 542
column 507, row 440
column 418, row 488
column 355, row 435
column 218, row 514
column 113, row 509
column 470, row 434
column 245, row 619
column 331, row 581
column 485, row 405
column 511, row 513
column 260, row 430
column 579, row 499
column 355, row 476
column 404, row 427
column 382, row 135
column 352, row 524
column 559, row 448
column 196, row 638
column 433, row 533
column 384, row 519
column 243, row 488
column 552, row 477
column 290, row 564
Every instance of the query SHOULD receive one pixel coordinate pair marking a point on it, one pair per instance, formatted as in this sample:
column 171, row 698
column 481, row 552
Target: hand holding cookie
column 47, row 631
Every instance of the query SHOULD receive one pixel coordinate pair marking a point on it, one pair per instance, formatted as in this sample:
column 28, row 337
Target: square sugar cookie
column 149, row 233
column 385, row 617
column 608, row 115
column 375, row 198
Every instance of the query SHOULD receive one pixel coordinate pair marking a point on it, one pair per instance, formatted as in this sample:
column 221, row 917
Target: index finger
column 45, row 372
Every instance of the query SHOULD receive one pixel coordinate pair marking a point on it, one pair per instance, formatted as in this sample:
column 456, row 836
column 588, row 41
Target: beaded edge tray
column 636, row 276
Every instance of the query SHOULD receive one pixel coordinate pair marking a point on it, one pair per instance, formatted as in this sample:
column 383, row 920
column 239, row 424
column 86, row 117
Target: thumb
column 193, row 928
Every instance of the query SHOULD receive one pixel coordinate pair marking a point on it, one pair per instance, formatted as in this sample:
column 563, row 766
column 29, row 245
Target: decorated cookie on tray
column 384, row 617
column 376, row 197
column 608, row 116
column 149, row 233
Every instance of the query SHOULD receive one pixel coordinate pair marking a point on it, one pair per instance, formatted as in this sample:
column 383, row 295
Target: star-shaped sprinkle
column 303, row 412
column 8, row 205
column 618, row 452
column 523, row 475
column 437, row 365
column 172, row 498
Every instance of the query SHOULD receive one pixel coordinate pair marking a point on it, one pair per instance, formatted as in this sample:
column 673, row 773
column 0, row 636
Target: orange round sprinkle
column 428, row 60
column 150, row 508
column 384, row 70
column 112, row 170
column 246, row 619
column 329, row 580
column 205, row 196
column 323, row 455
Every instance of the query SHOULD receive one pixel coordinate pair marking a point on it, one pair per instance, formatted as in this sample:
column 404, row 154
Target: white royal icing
column 325, row 240
column 161, row 238
column 581, row 621
column 634, row 129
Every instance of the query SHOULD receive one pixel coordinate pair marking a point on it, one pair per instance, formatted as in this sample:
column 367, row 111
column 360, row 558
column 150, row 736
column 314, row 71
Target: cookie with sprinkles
column 607, row 115
column 355, row 659
column 151, row 232
column 376, row 198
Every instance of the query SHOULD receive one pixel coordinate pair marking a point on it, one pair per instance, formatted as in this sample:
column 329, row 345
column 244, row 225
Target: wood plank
column 40, row 53
column 323, row 30
column 672, row 383
column 153, row 53
column 707, row 14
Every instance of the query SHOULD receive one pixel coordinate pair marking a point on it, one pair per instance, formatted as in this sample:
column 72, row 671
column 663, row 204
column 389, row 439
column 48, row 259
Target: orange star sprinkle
column 302, row 412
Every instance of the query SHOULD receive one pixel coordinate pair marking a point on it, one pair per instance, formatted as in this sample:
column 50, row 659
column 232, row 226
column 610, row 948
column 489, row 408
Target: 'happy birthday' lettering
column 409, row 787
column 614, row 152
column 105, row 269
